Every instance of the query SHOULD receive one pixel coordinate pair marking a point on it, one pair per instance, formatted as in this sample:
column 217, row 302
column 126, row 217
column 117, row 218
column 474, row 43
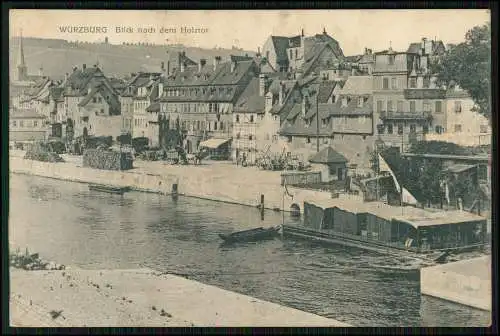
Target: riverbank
column 216, row 181
column 139, row 298
column 467, row 282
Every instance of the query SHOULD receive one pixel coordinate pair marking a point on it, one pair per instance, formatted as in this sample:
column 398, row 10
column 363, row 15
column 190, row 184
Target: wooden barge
column 383, row 228
column 109, row 188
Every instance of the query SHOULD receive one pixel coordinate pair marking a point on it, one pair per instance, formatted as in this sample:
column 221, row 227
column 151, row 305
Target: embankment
column 139, row 298
column 467, row 282
column 217, row 182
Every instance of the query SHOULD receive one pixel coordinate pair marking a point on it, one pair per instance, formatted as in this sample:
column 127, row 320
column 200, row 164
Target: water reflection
column 68, row 223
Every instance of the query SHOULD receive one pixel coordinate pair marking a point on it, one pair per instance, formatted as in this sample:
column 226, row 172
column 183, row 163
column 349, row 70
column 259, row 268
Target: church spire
column 22, row 69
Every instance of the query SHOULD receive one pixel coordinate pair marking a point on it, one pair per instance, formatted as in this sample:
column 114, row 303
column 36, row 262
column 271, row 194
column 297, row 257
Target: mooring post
column 262, row 201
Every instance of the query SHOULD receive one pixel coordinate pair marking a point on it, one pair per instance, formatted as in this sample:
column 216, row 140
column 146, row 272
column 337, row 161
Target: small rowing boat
column 251, row 235
column 109, row 189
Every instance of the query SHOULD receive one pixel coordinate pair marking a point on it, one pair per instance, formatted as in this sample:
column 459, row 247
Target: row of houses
column 299, row 95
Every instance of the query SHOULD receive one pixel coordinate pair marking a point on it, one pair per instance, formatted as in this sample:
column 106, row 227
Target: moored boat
column 109, row 188
column 251, row 235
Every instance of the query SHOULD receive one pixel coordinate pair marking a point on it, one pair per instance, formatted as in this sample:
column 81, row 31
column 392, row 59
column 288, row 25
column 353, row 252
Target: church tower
column 22, row 69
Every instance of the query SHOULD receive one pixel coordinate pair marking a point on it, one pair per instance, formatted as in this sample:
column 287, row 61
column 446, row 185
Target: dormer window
column 360, row 101
column 344, row 102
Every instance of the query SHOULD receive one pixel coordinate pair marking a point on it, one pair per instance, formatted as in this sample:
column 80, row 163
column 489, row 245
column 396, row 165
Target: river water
column 67, row 223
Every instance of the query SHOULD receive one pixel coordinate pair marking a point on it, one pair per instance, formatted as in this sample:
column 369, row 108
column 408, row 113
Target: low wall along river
column 238, row 187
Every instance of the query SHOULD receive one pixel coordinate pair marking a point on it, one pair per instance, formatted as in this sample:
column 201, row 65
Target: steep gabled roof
column 250, row 101
column 326, row 90
column 280, row 44
column 358, row 85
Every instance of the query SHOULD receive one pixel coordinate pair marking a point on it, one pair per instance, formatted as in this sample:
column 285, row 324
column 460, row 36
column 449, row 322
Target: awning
column 213, row 143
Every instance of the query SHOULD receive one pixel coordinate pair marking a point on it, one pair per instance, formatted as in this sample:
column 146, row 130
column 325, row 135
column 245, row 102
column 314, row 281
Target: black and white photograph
column 263, row 168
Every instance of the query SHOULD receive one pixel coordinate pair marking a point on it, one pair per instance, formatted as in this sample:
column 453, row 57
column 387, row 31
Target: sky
column 353, row 29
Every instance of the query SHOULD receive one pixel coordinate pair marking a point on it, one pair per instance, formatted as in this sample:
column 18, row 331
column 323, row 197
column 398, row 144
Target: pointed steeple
column 22, row 69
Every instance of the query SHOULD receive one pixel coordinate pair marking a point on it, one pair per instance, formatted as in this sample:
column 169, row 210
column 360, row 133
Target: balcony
column 424, row 93
column 418, row 115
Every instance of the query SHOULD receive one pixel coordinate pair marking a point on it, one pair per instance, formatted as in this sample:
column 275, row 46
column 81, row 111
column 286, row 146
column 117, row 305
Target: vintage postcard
column 250, row 168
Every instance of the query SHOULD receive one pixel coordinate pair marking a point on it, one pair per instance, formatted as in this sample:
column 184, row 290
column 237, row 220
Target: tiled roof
column 280, row 44
column 358, row 85
column 353, row 59
column 24, row 114
column 414, row 48
column 312, row 56
column 325, row 90
column 111, row 99
column 56, row 93
column 328, row 155
column 250, row 101
column 298, row 126
column 224, row 76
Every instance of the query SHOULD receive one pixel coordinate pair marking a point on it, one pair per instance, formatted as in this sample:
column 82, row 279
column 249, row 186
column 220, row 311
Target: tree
column 469, row 65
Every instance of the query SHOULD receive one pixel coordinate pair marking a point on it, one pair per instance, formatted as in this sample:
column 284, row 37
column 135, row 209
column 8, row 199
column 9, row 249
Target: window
column 237, row 118
column 323, row 121
column 215, row 125
column 438, row 106
column 394, row 83
column 380, row 129
column 360, row 101
column 439, row 129
column 94, row 100
column 291, row 53
column 35, row 123
column 413, row 128
column 390, row 129
column 391, row 59
column 458, row 106
column 250, row 137
column 102, row 111
column 308, row 140
column 344, row 102
column 427, row 106
column 221, row 126
column 425, row 129
column 289, row 139
column 412, row 106
column 482, row 128
column 251, row 118
column 386, row 83
column 296, row 53
column 238, row 135
column 427, row 82
column 400, row 106
column 400, row 129
column 379, row 105
column 21, row 123
column 458, row 128
column 389, row 106
column 413, row 82
column 14, row 123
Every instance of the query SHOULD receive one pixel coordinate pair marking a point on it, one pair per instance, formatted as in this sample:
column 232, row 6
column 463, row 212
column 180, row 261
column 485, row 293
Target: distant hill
column 57, row 57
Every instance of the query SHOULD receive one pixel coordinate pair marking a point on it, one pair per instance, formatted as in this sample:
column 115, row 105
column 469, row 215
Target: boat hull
column 252, row 235
column 109, row 189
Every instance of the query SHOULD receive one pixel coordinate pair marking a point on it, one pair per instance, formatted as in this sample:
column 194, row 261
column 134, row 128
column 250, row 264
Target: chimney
column 216, row 62
column 268, row 102
column 258, row 52
column 84, row 66
column 366, row 51
column 75, row 68
column 233, row 65
column 66, row 76
column 163, row 66
column 201, row 64
column 302, row 32
column 370, row 51
column 262, row 85
column 324, row 31
column 179, row 60
column 40, row 71
column 282, row 93
column 422, row 45
column 183, row 66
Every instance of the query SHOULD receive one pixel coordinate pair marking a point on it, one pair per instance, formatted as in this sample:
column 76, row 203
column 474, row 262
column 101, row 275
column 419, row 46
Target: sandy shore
column 139, row 298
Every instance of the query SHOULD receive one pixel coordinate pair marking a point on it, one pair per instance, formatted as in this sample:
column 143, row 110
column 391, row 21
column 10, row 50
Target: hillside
column 59, row 56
